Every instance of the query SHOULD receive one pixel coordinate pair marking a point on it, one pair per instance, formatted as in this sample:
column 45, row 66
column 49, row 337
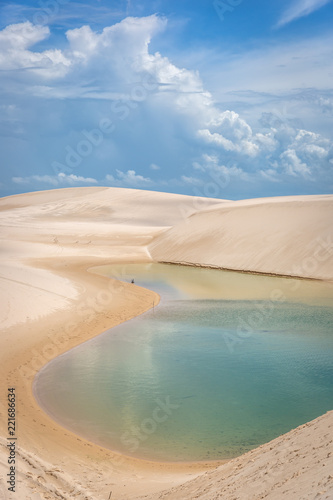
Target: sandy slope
column 100, row 223
column 288, row 235
column 297, row 465
column 49, row 303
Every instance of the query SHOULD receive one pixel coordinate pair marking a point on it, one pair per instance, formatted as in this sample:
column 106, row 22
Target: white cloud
column 305, row 138
column 284, row 150
column 123, row 179
column 217, row 139
column 84, row 41
column 55, row 180
column 192, row 181
column 116, row 58
column 300, row 8
column 233, row 133
column 46, row 179
column 129, row 178
column 293, row 164
column 266, row 141
column 153, row 166
column 15, row 41
column 306, row 154
column 75, row 179
column 22, row 36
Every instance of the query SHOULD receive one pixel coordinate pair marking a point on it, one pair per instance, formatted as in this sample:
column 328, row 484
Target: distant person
column 132, row 280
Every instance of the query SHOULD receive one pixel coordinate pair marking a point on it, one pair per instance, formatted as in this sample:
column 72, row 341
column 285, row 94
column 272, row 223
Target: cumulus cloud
column 154, row 104
column 121, row 62
column 117, row 57
column 22, row 36
column 293, row 164
column 234, row 134
column 218, row 139
column 242, row 146
column 16, row 39
column 128, row 179
column 281, row 153
column 306, row 154
column 300, row 8
column 55, row 180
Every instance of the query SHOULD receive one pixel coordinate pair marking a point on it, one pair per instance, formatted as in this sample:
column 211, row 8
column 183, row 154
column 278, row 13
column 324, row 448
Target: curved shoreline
column 122, row 456
column 34, row 423
column 94, row 270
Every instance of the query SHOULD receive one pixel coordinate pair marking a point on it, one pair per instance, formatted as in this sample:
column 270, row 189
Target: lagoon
column 227, row 361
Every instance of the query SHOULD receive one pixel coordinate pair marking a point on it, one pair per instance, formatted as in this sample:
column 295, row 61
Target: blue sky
column 225, row 98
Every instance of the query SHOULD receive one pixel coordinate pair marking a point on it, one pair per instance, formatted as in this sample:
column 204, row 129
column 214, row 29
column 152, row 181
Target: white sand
column 114, row 224
column 289, row 236
column 49, row 303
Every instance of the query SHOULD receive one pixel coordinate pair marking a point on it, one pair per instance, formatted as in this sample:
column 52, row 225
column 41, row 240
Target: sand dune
column 101, row 223
column 289, row 236
column 48, row 242
column 297, row 465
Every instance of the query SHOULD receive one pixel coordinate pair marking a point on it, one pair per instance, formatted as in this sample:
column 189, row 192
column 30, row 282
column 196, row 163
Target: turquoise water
column 218, row 368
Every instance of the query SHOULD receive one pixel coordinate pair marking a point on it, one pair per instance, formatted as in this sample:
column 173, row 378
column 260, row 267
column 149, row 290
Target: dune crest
column 291, row 236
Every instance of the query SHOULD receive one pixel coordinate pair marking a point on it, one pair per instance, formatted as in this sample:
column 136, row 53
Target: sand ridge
column 291, row 236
